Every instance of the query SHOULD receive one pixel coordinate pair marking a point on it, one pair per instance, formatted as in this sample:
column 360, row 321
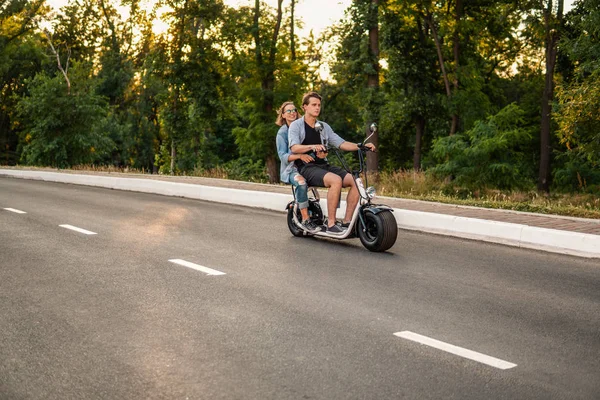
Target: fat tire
column 382, row 231
column 294, row 229
column 314, row 210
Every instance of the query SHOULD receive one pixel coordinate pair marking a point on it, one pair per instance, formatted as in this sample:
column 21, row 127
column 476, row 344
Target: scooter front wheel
column 381, row 231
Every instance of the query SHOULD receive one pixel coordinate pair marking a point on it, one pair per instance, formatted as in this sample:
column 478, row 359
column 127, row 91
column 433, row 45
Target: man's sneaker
column 342, row 224
column 310, row 226
column 335, row 229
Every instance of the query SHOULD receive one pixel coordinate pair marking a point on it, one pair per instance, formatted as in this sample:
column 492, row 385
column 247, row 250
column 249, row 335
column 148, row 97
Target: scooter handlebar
column 363, row 148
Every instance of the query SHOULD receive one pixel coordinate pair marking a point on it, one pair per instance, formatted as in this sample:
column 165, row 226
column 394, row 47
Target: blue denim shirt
column 297, row 134
column 283, row 150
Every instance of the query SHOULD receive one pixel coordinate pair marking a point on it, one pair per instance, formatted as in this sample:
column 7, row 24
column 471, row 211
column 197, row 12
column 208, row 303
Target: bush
column 61, row 129
column 246, row 169
column 577, row 173
column 491, row 155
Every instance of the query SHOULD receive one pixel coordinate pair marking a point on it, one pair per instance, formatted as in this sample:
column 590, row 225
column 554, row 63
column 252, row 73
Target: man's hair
column 306, row 98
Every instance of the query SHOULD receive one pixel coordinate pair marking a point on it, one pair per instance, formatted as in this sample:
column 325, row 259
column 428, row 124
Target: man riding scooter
column 305, row 139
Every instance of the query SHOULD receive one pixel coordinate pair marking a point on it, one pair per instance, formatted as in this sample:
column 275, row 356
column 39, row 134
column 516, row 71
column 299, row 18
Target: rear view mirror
column 318, row 127
column 373, row 130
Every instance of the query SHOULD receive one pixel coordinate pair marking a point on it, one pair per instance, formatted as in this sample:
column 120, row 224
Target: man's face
column 313, row 108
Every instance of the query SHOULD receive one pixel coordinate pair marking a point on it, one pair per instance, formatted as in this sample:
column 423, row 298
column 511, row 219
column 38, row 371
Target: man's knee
column 349, row 181
column 332, row 180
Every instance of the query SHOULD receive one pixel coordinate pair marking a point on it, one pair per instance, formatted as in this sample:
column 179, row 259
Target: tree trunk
column 173, row 156
column 272, row 169
column 256, row 34
column 267, row 76
column 292, row 38
column 64, row 71
column 420, row 130
column 552, row 36
column 438, row 47
column 373, row 83
column 456, row 52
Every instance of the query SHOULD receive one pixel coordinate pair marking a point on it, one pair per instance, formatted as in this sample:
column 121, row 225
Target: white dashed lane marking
column 459, row 351
column 76, row 229
column 15, row 210
column 197, row 267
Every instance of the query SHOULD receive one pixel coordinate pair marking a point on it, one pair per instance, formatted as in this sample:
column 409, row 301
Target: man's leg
column 334, row 183
column 352, row 198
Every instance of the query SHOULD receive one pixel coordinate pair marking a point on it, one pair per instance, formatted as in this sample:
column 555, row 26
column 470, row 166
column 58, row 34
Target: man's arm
column 337, row 141
column 296, row 145
column 305, row 148
column 349, row 146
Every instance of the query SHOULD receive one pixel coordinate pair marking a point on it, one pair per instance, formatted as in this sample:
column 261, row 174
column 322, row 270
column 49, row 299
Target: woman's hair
column 280, row 120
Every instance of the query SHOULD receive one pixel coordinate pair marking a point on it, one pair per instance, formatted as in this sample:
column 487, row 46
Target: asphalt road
column 108, row 316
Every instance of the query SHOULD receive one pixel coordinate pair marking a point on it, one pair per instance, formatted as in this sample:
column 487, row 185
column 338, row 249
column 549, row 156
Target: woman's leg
column 299, row 183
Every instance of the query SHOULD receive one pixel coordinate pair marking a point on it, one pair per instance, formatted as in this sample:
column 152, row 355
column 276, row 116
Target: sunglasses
column 293, row 110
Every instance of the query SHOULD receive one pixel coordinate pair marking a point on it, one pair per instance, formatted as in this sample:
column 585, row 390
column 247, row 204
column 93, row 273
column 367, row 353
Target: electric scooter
column 374, row 224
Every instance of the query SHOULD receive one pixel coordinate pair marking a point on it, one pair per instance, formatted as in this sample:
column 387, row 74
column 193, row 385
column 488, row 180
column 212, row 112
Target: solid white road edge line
column 74, row 228
column 15, row 210
column 206, row 270
column 459, row 351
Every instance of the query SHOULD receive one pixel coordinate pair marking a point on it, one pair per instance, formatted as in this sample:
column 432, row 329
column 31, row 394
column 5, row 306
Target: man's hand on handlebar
column 322, row 154
column 318, row 148
column 367, row 146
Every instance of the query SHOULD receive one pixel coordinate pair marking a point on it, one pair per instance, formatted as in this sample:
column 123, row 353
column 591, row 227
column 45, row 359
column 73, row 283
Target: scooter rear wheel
column 381, row 231
column 294, row 229
column 315, row 213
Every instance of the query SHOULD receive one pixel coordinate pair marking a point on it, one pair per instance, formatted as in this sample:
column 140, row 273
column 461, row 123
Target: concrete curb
column 556, row 241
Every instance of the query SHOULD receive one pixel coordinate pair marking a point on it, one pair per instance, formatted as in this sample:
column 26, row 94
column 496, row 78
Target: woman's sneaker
column 310, row 226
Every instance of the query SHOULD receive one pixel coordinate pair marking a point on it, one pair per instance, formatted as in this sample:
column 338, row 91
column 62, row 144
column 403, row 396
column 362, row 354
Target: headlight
column 371, row 192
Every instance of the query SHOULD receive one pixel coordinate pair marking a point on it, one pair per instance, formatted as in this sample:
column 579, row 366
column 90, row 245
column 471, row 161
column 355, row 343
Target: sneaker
column 310, row 226
column 335, row 229
column 343, row 225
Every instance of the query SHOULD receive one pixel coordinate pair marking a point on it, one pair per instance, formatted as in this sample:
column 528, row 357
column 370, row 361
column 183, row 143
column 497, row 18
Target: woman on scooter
column 288, row 173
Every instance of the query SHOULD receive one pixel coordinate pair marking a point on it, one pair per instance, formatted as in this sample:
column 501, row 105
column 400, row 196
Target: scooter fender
column 371, row 208
column 377, row 208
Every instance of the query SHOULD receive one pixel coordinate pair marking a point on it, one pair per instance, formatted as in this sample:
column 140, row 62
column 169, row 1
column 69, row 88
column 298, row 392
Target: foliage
column 21, row 57
column 61, row 129
column 201, row 96
column 578, row 105
column 488, row 155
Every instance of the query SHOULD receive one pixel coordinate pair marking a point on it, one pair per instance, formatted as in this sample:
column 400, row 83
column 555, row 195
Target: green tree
column 411, row 82
column 271, row 76
column 21, row 57
column 488, row 155
column 553, row 20
column 578, row 99
column 60, row 127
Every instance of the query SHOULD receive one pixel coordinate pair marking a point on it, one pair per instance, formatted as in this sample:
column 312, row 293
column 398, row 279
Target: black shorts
column 314, row 173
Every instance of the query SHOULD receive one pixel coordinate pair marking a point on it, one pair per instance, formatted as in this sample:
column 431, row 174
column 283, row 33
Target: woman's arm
column 304, row 157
